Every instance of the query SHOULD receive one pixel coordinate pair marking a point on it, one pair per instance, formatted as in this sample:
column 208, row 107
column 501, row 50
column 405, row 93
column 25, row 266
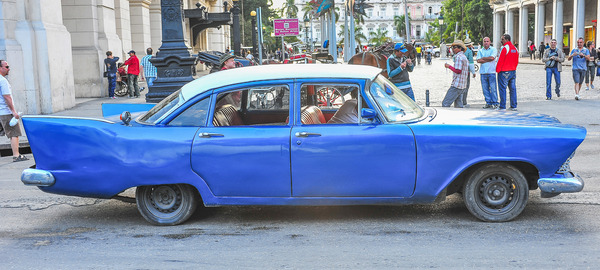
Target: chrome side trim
column 35, row 177
column 569, row 183
column 68, row 117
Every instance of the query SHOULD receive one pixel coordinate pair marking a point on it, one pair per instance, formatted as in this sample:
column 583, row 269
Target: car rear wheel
column 166, row 204
column 496, row 192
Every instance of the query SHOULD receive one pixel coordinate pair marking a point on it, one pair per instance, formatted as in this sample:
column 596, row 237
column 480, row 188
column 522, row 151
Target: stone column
column 81, row 19
column 523, row 25
column 557, row 21
column 540, row 18
column 36, row 44
column 107, row 30
column 155, row 25
column 217, row 38
column 140, row 25
column 578, row 21
column 123, row 24
column 510, row 23
column 498, row 29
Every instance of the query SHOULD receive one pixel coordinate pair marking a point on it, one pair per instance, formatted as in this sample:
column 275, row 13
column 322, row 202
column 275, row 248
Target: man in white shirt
column 7, row 112
column 487, row 58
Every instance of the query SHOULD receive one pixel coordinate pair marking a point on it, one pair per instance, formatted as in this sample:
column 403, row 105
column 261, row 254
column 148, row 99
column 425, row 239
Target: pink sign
column 286, row 27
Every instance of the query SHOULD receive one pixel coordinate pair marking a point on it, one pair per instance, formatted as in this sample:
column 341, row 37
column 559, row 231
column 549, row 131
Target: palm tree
column 358, row 35
column 379, row 37
column 290, row 8
column 309, row 10
column 400, row 24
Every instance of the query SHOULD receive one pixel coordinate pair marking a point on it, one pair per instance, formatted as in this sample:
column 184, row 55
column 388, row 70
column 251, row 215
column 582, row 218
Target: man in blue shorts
column 580, row 56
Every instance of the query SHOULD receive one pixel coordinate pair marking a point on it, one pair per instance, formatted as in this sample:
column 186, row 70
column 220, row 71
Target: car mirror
column 368, row 114
column 126, row 117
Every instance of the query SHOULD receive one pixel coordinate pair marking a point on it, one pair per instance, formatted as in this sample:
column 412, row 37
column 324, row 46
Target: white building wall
column 37, row 46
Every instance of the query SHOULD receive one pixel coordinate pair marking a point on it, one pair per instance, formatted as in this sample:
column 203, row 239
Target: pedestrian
column 399, row 65
column 541, row 49
column 580, row 56
column 532, row 51
column 553, row 59
column 419, row 54
column 487, row 56
column 149, row 70
column 133, row 71
column 469, row 55
column 459, row 76
column 7, row 112
column 110, row 64
column 507, row 72
column 591, row 66
column 226, row 61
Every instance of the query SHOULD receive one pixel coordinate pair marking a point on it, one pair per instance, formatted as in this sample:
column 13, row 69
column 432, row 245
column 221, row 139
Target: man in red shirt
column 508, row 59
column 133, row 70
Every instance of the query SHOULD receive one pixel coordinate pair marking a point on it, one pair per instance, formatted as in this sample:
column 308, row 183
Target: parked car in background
column 303, row 135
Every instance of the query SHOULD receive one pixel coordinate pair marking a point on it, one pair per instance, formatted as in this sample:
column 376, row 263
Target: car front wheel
column 166, row 204
column 496, row 192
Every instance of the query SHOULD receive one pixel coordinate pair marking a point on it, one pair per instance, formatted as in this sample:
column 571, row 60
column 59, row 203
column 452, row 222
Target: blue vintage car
column 303, row 135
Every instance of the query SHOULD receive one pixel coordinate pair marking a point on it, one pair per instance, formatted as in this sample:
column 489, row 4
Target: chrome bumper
column 568, row 183
column 35, row 177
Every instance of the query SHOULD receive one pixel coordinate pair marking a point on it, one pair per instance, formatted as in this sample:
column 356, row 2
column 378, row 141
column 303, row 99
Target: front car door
column 351, row 159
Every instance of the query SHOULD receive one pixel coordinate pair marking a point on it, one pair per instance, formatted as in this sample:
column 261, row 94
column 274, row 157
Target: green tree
column 400, row 24
column 290, row 9
column 359, row 37
column 268, row 14
column 472, row 16
column 379, row 37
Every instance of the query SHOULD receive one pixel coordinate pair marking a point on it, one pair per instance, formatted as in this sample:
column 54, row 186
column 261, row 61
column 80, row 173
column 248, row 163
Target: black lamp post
column 306, row 25
column 441, row 21
column 253, row 15
column 237, row 43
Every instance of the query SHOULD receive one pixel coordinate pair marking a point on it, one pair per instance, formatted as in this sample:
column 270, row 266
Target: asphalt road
column 45, row 231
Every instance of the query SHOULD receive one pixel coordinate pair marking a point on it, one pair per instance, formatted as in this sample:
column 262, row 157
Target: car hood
column 453, row 116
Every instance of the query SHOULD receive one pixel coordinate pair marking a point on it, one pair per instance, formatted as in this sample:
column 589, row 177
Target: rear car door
column 244, row 149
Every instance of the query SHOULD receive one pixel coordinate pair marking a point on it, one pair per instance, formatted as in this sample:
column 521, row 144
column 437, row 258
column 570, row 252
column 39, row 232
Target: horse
column 371, row 59
column 378, row 58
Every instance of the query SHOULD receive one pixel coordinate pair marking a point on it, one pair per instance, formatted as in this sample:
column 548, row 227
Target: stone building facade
column 56, row 49
column 564, row 20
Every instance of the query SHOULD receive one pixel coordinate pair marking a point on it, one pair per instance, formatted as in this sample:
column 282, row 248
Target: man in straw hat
column 459, row 77
column 507, row 72
column 226, row 62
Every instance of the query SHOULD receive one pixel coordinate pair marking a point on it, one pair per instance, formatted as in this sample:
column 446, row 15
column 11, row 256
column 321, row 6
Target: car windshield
column 161, row 109
column 395, row 105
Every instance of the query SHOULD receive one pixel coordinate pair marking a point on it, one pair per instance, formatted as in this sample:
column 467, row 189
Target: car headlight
column 566, row 167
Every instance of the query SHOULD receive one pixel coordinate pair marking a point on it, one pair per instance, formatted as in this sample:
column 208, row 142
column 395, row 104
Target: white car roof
column 274, row 72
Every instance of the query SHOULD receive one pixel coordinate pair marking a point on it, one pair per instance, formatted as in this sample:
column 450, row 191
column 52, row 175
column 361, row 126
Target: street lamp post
column 253, row 15
column 306, row 25
column 441, row 21
column 237, row 43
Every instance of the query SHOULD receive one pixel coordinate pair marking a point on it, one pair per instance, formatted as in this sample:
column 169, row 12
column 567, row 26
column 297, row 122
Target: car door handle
column 306, row 134
column 209, row 135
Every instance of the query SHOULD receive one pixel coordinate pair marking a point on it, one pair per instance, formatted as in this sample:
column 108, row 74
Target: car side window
column 258, row 105
column 194, row 115
column 329, row 103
